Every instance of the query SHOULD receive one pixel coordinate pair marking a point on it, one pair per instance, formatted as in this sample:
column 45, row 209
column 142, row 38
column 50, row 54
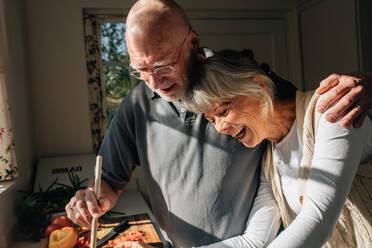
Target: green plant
column 36, row 208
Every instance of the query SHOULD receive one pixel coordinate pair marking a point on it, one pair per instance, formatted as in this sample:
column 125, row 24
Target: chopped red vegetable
column 131, row 236
column 82, row 242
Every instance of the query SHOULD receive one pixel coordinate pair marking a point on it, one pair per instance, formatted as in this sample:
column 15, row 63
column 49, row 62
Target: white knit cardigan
column 354, row 226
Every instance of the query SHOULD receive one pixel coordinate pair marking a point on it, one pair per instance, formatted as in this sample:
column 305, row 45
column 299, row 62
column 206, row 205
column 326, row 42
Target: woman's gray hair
column 225, row 75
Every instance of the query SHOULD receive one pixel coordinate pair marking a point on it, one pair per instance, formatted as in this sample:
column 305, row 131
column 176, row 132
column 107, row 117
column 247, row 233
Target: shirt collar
column 150, row 93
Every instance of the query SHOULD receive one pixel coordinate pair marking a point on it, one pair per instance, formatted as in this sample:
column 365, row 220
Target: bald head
column 162, row 46
column 156, row 21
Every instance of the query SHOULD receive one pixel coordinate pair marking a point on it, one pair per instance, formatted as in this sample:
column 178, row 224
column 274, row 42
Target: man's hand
column 84, row 204
column 351, row 96
column 134, row 244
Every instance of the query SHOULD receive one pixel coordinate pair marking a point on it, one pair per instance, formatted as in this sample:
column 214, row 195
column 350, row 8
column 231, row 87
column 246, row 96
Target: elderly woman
column 310, row 163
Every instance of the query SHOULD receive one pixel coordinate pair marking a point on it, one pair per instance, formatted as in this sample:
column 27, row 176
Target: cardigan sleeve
column 337, row 154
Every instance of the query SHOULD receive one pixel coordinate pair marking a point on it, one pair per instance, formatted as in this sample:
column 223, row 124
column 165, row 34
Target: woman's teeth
column 240, row 133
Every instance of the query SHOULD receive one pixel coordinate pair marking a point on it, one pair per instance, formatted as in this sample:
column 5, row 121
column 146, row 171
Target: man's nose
column 222, row 126
column 153, row 80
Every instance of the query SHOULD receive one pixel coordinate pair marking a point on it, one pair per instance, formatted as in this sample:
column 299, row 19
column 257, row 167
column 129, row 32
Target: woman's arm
column 337, row 154
column 262, row 226
column 263, row 222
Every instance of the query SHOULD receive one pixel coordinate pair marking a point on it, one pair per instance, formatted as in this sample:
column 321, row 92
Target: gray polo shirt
column 201, row 184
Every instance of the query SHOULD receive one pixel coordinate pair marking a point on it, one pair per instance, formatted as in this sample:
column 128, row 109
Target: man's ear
column 194, row 39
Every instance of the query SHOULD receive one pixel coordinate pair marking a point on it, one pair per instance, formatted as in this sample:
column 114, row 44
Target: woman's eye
column 224, row 112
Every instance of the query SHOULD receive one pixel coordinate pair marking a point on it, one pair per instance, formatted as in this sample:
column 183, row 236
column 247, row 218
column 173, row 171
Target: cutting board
column 139, row 222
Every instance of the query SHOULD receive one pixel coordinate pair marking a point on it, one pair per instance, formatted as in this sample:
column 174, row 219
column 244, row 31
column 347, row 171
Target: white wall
column 14, row 56
column 329, row 39
column 364, row 10
column 58, row 75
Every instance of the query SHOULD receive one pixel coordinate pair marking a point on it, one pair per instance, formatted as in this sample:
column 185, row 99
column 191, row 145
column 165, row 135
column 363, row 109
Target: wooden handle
column 97, row 192
column 98, row 172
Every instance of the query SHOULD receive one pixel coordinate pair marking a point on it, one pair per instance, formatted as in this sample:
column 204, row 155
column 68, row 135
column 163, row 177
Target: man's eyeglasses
column 158, row 71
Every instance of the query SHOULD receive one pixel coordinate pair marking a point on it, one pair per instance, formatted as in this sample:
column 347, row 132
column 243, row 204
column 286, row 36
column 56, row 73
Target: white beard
column 173, row 97
column 167, row 98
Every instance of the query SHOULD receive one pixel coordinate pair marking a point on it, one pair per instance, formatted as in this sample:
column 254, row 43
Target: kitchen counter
column 130, row 202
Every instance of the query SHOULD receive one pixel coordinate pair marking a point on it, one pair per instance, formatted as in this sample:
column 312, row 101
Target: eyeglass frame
column 133, row 70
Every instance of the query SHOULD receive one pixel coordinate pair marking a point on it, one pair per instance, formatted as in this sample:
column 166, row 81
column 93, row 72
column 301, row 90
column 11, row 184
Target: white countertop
column 130, row 202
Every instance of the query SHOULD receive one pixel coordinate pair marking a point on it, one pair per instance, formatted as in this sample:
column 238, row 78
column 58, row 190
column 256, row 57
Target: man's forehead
column 149, row 53
column 151, row 48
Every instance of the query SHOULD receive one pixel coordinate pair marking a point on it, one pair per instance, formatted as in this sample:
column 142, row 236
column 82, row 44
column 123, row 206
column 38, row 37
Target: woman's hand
column 351, row 96
column 134, row 244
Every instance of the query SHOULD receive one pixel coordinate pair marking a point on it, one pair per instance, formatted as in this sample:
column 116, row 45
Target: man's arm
column 119, row 154
column 351, row 96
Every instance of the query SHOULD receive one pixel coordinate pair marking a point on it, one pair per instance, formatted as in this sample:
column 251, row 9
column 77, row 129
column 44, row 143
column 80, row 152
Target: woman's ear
column 260, row 81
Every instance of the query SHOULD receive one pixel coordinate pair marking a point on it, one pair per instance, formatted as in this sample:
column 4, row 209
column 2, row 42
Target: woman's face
column 241, row 118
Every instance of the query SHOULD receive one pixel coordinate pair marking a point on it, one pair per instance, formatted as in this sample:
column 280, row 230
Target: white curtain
column 8, row 165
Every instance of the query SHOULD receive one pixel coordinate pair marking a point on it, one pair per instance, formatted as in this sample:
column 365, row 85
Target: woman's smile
column 240, row 134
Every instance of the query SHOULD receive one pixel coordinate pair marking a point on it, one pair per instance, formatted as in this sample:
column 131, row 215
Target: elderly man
column 201, row 185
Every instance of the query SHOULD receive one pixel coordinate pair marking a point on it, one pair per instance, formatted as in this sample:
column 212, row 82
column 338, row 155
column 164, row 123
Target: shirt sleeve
column 337, row 154
column 118, row 149
column 263, row 222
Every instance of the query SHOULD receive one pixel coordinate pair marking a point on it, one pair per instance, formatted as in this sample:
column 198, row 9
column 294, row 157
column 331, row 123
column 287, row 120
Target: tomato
column 50, row 229
column 62, row 221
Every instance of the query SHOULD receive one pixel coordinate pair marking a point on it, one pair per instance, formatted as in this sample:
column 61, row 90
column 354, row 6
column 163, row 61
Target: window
column 115, row 62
